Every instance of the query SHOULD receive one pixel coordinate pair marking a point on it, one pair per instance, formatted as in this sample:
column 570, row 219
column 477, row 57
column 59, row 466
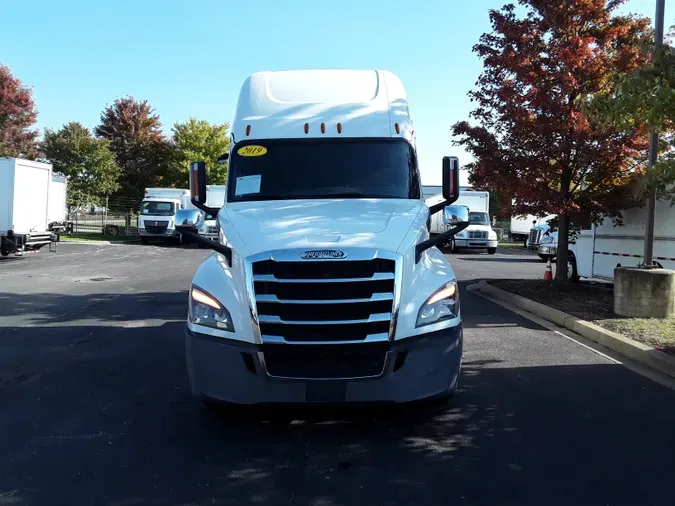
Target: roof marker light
column 323, row 128
column 339, row 128
column 398, row 128
column 306, row 128
column 248, row 130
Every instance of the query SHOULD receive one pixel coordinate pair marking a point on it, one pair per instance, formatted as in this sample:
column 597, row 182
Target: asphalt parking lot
column 96, row 408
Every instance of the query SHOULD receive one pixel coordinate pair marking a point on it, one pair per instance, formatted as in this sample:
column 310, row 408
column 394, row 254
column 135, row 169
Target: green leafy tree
column 530, row 138
column 644, row 100
column 87, row 162
column 17, row 117
column 196, row 140
column 141, row 150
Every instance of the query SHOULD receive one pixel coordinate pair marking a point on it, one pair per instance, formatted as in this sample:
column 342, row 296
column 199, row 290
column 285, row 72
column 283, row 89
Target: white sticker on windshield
column 247, row 184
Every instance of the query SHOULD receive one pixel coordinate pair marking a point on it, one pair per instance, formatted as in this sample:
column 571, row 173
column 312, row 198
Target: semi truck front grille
column 534, row 236
column 156, row 227
column 320, row 301
column 324, row 361
column 477, row 234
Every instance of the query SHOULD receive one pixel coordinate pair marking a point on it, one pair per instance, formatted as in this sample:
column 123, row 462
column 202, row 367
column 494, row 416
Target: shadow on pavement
column 117, row 425
column 103, row 414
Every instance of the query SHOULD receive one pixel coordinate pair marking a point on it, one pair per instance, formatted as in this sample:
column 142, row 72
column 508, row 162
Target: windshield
column 317, row 169
column 479, row 219
column 157, row 208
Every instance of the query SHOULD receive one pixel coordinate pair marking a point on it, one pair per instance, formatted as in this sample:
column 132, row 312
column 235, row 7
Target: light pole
column 648, row 260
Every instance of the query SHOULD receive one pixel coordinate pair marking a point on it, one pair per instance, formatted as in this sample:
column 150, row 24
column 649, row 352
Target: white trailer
column 57, row 212
column 598, row 250
column 479, row 234
column 24, row 206
column 158, row 212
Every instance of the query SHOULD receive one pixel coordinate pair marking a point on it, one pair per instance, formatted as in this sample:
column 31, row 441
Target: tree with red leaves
column 532, row 141
column 141, row 150
column 17, row 116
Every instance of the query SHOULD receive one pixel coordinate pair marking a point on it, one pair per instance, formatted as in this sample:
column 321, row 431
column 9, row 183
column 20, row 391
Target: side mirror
column 198, row 183
column 455, row 215
column 223, row 158
column 450, row 178
column 189, row 219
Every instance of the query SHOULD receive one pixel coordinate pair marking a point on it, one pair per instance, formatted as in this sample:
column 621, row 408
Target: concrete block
column 644, row 293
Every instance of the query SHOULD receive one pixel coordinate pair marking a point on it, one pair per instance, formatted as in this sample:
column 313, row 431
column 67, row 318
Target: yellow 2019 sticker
column 252, row 150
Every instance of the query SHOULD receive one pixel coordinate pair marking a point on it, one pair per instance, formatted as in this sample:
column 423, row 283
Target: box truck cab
column 479, row 233
column 158, row 212
column 324, row 286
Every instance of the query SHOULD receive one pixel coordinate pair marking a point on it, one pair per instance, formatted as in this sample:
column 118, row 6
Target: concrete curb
column 638, row 352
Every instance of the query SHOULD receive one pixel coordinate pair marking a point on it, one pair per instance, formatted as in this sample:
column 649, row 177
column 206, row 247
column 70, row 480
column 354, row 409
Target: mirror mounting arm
column 226, row 251
column 213, row 211
column 440, row 206
column 439, row 239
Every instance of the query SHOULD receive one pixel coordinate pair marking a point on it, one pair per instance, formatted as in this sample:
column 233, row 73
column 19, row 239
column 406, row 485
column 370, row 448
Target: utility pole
column 648, row 260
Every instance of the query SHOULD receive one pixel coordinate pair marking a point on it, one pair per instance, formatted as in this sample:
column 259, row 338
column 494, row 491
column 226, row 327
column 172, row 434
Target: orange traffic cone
column 548, row 273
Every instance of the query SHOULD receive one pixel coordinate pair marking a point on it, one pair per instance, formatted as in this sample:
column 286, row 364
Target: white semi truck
column 528, row 229
column 158, row 212
column 479, row 233
column 595, row 251
column 324, row 285
column 25, row 206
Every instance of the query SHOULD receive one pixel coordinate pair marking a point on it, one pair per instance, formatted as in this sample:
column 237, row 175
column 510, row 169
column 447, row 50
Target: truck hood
column 269, row 225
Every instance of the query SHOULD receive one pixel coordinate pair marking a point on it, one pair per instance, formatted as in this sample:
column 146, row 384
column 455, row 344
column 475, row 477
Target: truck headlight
column 492, row 235
column 206, row 310
column 461, row 234
column 442, row 305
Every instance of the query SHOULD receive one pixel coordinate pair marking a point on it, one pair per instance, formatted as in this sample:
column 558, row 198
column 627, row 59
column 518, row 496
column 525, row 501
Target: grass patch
column 594, row 302
column 98, row 237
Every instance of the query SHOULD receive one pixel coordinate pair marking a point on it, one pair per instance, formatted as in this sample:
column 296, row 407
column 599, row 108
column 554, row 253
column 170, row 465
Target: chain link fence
column 114, row 216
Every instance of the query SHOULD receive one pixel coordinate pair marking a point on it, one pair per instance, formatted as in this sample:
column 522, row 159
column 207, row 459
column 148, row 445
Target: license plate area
column 326, row 391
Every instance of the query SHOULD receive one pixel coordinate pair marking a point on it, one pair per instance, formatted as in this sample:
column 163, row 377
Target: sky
column 189, row 58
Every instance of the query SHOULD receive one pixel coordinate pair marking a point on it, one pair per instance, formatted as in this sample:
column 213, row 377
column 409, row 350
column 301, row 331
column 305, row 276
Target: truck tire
column 525, row 243
column 4, row 252
column 572, row 274
column 492, row 251
column 144, row 240
column 544, row 257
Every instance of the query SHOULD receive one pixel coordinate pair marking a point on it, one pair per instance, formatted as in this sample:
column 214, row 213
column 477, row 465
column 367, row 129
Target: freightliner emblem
column 321, row 254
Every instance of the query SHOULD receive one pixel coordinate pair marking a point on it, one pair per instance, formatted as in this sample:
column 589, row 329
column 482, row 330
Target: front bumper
column 547, row 250
column 167, row 233
column 417, row 368
column 475, row 243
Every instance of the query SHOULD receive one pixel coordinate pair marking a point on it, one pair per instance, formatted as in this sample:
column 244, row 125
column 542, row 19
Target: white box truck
column 324, row 286
column 158, row 212
column 24, row 206
column 479, row 233
column 597, row 250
